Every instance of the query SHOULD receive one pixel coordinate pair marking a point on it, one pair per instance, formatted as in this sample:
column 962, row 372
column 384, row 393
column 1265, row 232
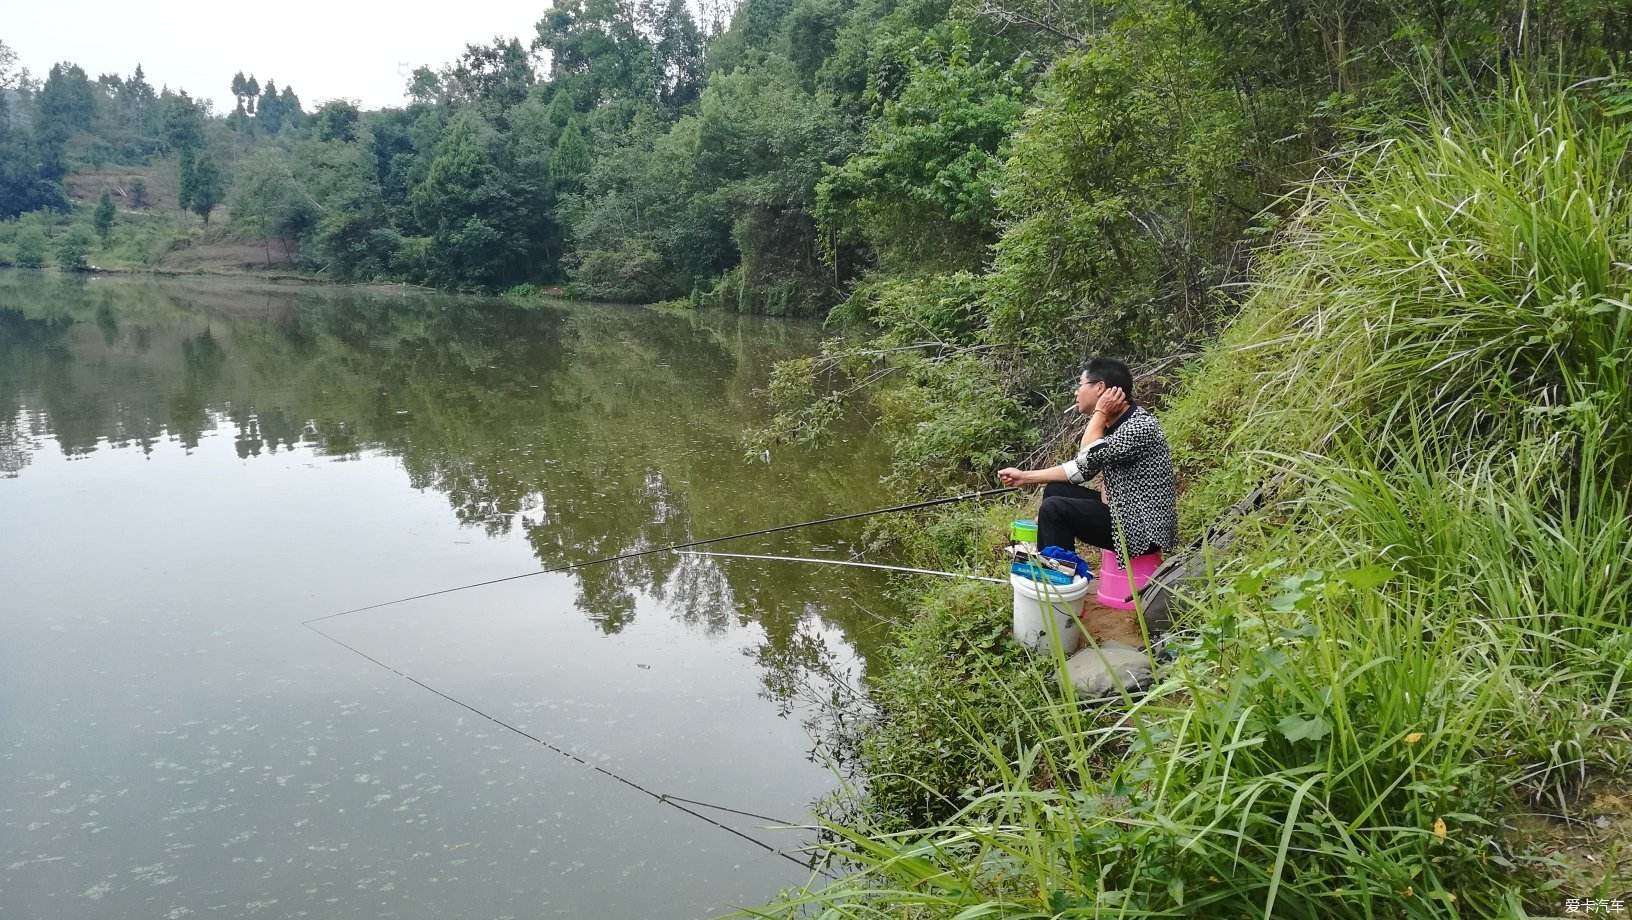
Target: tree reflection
column 592, row 431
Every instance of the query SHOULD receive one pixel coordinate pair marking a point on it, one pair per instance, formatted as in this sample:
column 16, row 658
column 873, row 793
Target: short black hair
column 1112, row 373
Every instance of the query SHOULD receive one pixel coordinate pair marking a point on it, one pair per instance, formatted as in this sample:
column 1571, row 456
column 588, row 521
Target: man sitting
column 1138, row 513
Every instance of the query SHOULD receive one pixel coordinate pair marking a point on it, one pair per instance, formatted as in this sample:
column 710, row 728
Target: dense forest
column 1031, row 159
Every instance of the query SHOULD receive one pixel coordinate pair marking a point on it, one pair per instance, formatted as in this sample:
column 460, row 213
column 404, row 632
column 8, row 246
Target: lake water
column 191, row 470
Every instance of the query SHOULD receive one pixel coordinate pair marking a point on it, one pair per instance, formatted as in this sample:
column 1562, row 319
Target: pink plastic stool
column 1114, row 589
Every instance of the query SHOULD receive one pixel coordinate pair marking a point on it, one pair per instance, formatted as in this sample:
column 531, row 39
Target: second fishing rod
column 689, row 544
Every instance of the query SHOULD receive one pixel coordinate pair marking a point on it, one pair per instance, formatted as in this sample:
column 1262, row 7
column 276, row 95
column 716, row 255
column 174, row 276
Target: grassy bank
column 146, row 232
column 1418, row 648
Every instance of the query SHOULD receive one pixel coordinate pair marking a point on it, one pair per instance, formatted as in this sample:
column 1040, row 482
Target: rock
column 1106, row 670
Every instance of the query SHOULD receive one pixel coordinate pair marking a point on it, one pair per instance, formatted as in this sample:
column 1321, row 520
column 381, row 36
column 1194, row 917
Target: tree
column 137, row 193
column 476, row 224
column 495, row 76
column 187, row 178
column 336, row 120
column 677, row 57
column 182, row 121
column 135, row 110
column 252, row 94
column 354, row 238
column 921, row 192
column 72, row 248
column 269, row 111
column 270, row 204
column 289, row 107
column 571, row 160
column 30, row 245
column 208, row 187
column 26, row 179
column 597, row 49
column 103, row 218
column 66, row 105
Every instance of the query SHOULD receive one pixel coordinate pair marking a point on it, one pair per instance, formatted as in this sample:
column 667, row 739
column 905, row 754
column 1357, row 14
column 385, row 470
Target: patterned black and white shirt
column 1139, row 482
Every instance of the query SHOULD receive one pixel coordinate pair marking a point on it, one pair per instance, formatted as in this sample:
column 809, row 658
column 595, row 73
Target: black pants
column 1070, row 513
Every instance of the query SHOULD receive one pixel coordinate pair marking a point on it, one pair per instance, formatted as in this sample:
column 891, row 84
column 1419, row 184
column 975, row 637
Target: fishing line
column 967, row 496
column 665, row 799
column 671, row 797
column 670, row 800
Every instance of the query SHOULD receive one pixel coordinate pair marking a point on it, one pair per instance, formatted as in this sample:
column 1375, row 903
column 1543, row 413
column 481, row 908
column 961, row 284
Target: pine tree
column 289, row 107
column 103, row 218
column 571, row 161
column 189, row 179
column 208, row 187
column 269, row 113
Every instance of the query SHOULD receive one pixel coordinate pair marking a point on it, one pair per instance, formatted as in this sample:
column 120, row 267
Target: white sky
column 335, row 49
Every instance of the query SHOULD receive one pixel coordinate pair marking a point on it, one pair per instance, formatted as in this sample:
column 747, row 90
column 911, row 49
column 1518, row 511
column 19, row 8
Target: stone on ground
column 1108, row 669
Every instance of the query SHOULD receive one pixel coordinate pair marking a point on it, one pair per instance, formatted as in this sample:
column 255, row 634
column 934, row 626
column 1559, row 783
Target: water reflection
column 590, row 431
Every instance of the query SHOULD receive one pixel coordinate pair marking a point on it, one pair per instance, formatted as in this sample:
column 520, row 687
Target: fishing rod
column 672, row 547
column 859, row 565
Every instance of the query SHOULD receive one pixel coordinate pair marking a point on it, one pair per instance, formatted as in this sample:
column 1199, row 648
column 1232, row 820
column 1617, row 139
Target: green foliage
column 354, row 238
column 29, row 244
column 920, row 193
column 203, row 187
column 666, row 211
column 1123, row 193
column 1373, row 683
column 182, row 122
column 469, row 211
column 951, row 420
column 955, row 680
column 270, row 204
column 186, row 177
column 275, row 111
column 761, row 145
column 1102, row 171
column 67, row 104
column 72, row 247
column 570, row 159
column 103, row 217
column 336, row 120
column 1468, row 279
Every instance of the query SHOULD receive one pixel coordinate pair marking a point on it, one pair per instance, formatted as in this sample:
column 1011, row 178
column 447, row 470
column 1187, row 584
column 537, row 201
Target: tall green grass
column 1429, row 631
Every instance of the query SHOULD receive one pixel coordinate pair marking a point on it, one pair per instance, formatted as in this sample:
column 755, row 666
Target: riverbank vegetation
column 1418, row 650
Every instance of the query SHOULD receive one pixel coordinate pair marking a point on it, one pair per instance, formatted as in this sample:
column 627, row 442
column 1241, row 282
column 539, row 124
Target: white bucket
column 1035, row 603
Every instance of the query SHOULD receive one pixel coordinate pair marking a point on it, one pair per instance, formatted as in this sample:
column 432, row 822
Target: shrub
column 30, row 245
column 72, row 248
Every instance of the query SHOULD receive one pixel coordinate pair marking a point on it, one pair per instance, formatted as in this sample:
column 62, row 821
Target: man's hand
column 1112, row 402
column 1012, row 476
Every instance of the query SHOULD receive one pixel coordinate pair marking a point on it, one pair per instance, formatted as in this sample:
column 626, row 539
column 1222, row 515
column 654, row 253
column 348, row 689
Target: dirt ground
column 1107, row 624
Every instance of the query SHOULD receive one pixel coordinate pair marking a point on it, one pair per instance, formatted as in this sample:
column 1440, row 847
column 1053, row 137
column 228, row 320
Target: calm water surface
column 190, row 470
